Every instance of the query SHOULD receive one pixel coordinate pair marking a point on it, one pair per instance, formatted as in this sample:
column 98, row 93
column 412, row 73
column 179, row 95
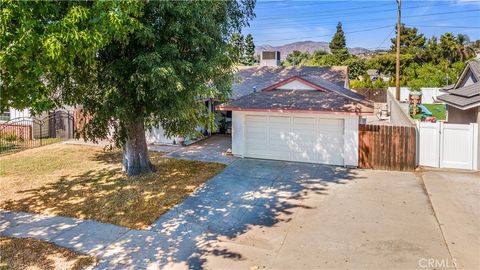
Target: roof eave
column 294, row 111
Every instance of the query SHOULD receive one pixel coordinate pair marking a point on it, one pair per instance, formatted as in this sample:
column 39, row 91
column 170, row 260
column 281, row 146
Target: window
column 5, row 116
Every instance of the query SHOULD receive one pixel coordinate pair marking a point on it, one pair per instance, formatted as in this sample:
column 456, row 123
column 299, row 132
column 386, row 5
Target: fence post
column 476, row 146
column 68, row 120
column 41, row 135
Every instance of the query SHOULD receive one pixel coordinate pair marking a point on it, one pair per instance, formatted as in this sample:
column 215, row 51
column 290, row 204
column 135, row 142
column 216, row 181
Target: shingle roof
column 467, row 91
column 475, row 68
column 467, row 95
column 300, row 100
column 459, row 101
column 262, row 77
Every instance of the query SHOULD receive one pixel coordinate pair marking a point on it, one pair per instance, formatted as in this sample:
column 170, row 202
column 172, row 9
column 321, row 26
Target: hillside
column 304, row 46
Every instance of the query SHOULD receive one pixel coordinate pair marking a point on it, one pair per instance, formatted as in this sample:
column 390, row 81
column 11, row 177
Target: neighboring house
column 303, row 114
column 463, row 100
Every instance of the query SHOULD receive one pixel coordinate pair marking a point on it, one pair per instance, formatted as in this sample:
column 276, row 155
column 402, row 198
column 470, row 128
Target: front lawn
column 438, row 111
column 35, row 254
column 87, row 182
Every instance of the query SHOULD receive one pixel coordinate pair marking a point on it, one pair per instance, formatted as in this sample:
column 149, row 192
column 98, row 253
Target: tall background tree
column 249, row 51
column 338, row 45
column 238, row 45
column 131, row 64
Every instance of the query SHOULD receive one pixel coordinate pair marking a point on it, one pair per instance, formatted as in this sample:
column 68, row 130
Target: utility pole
column 397, row 77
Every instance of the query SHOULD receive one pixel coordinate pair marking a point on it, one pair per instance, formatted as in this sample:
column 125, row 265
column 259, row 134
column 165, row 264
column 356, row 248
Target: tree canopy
column 431, row 62
column 130, row 64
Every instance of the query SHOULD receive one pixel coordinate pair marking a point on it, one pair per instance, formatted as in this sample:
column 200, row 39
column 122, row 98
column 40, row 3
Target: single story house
column 303, row 114
column 463, row 99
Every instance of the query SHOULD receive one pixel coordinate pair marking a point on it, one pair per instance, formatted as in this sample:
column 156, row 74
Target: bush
column 9, row 137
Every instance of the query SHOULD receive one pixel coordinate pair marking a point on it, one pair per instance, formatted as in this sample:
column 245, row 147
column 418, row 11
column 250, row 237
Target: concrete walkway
column 266, row 214
column 212, row 149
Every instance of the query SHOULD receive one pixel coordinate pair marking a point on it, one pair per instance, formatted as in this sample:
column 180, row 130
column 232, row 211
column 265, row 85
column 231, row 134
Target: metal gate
column 28, row 132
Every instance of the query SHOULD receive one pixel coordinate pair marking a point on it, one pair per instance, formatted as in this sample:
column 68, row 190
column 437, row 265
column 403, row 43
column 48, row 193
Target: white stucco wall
column 157, row 136
column 429, row 94
column 296, row 85
column 351, row 123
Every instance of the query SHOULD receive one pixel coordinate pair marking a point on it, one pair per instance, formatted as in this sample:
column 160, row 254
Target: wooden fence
column 375, row 95
column 385, row 147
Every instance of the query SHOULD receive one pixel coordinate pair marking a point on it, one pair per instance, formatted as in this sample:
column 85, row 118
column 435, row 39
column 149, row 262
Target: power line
column 349, row 32
column 376, row 19
column 443, row 26
column 346, row 25
column 337, row 13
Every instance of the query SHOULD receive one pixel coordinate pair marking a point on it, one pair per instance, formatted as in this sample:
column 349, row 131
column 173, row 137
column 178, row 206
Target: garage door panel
column 303, row 139
column 256, row 118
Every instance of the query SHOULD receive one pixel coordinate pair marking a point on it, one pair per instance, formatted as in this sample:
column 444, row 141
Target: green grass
column 438, row 111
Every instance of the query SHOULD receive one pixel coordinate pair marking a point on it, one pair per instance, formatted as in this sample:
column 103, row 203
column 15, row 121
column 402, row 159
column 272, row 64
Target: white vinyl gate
column 448, row 145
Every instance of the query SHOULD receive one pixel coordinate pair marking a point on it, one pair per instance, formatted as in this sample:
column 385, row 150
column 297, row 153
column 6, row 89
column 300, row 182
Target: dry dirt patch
column 35, row 254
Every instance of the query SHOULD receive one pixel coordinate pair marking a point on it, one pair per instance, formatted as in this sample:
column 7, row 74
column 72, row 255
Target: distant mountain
column 304, row 46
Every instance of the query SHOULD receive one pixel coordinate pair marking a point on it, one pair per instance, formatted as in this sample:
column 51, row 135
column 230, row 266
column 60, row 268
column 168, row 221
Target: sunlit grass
column 86, row 182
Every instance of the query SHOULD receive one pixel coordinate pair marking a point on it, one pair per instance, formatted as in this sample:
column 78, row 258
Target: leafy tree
column 356, row 67
column 249, row 50
column 131, row 64
column 338, row 43
column 297, row 58
column 410, row 40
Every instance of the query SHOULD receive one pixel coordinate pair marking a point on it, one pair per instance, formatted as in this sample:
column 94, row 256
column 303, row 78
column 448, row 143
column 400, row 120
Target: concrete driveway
column 260, row 214
column 281, row 215
column 455, row 197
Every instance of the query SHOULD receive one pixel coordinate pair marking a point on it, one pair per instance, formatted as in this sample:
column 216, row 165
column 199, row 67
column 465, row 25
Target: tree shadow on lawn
column 107, row 195
column 249, row 194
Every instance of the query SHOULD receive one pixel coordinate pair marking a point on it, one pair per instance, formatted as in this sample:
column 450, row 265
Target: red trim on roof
column 294, row 78
column 219, row 108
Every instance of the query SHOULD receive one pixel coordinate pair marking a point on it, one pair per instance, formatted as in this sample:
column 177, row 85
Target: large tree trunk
column 135, row 151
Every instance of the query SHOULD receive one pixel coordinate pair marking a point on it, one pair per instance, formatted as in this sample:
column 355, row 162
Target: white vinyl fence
column 448, row 145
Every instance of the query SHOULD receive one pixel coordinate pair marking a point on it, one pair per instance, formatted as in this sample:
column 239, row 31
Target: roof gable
column 294, row 83
column 471, row 70
column 260, row 77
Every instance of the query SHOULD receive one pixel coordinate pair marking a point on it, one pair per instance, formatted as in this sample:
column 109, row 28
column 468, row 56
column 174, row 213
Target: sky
column 367, row 24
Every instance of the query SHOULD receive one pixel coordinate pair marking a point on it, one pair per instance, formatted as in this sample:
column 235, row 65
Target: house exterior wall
column 351, row 123
column 157, row 136
column 458, row 116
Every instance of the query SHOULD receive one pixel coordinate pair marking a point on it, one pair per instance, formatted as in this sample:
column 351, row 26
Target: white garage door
column 303, row 139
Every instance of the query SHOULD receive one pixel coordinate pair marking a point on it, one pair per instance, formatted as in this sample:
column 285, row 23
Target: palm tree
column 449, row 47
column 464, row 50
